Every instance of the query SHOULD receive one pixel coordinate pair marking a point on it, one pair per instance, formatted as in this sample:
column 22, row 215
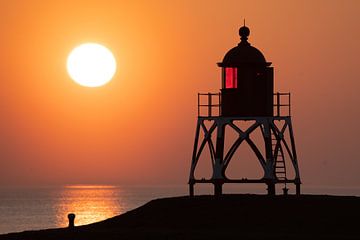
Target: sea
column 25, row 208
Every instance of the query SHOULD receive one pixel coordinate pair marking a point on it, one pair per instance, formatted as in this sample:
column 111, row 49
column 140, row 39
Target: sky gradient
column 139, row 128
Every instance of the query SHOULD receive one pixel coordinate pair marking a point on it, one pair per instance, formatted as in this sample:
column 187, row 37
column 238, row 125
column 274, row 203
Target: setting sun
column 91, row 65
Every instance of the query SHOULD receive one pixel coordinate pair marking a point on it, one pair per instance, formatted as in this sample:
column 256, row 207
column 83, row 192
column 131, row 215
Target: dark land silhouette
column 224, row 217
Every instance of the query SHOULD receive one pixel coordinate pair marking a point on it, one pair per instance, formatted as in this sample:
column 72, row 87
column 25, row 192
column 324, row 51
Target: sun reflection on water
column 90, row 203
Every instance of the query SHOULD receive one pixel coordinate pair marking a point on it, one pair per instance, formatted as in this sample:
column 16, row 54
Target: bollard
column 71, row 217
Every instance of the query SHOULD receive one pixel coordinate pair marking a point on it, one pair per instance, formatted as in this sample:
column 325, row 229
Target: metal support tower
column 272, row 160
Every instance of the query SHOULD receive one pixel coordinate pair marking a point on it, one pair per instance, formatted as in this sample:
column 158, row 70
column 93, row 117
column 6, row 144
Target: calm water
column 39, row 208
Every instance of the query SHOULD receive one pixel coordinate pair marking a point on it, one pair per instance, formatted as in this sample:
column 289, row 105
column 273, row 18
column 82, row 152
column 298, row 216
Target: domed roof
column 243, row 53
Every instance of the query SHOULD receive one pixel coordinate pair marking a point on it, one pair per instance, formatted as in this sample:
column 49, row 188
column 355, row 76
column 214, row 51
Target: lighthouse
column 246, row 94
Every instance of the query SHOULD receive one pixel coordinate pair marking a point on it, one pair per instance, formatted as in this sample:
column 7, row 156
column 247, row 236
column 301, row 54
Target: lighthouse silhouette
column 246, row 95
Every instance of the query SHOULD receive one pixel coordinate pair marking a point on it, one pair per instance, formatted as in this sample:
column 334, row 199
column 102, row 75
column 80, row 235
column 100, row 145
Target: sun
column 91, row 65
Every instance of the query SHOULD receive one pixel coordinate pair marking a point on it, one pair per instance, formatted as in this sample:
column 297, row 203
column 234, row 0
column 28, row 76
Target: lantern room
column 247, row 81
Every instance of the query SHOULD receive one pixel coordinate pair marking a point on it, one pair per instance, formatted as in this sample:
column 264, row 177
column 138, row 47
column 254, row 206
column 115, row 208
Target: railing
column 209, row 104
column 282, row 103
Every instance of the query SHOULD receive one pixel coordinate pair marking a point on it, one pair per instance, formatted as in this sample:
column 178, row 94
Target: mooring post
column 71, row 217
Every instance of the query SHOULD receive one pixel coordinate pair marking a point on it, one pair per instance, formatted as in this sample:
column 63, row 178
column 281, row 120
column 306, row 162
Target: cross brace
column 272, row 162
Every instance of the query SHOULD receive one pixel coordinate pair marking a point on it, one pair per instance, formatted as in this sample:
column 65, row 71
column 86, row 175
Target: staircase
column 279, row 160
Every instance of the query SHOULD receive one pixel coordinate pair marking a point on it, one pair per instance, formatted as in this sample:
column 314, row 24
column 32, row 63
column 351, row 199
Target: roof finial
column 244, row 32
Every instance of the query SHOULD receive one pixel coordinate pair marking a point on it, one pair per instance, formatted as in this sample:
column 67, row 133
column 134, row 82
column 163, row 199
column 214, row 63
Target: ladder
column 279, row 161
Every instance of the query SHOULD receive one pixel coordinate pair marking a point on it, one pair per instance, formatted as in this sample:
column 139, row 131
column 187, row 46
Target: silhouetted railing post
column 219, row 104
column 209, row 104
column 198, row 104
column 289, row 105
column 278, row 103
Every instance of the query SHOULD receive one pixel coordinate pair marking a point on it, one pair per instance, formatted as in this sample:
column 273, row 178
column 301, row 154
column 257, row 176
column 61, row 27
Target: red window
column 230, row 77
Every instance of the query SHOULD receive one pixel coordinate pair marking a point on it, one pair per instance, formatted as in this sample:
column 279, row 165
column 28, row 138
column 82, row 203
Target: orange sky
column 140, row 127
